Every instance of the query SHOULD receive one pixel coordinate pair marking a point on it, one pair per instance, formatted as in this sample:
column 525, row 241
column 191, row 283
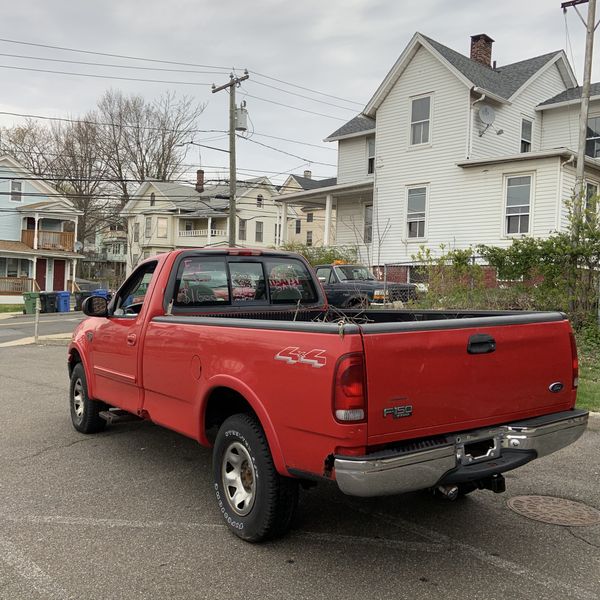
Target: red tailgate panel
column 451, row 390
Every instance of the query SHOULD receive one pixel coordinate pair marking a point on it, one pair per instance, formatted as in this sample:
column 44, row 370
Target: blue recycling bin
column 101, row 293
column 63, row 302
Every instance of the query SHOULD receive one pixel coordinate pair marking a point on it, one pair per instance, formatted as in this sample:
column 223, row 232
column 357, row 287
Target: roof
column 356, row 126
column 571, row 95
column 503, row 81
column 58, row 206
column 307, row 183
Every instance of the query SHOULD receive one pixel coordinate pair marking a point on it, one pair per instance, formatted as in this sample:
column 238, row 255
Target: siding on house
column 560, row 126
column 508, row 119
column 352, row 160
column 433, row 164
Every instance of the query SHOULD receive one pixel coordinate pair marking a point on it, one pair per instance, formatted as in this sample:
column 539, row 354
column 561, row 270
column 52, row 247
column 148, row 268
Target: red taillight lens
column 575, row 360
column 349, row 402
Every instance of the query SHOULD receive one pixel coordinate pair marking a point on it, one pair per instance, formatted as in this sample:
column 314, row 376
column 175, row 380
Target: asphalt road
column 19, row 327
column 129, row 513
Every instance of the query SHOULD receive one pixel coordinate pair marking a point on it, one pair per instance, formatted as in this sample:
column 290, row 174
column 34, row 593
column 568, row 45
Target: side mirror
column 95, row 306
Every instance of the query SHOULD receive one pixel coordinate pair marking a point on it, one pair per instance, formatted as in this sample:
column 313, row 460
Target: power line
column 286, row 153
column 172, row 62
column 104, row 76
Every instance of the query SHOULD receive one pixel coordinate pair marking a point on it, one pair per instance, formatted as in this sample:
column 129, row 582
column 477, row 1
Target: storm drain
column 556, row 511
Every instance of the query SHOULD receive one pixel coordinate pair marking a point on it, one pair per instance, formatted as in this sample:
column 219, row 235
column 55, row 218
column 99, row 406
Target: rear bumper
column 457, row 458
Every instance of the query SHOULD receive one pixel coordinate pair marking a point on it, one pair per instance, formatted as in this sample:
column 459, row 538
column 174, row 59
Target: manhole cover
column 556, row 511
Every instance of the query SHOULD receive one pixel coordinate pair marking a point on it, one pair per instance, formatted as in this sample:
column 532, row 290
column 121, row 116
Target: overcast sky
column 340, row 47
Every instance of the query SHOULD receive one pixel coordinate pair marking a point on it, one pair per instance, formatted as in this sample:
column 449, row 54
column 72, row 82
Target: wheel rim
column 78, row 398
column 239, row 478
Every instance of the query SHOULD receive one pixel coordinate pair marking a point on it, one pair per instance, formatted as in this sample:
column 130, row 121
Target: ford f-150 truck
column 237, row 349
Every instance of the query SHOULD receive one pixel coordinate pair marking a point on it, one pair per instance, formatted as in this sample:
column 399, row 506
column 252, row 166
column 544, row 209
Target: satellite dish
column 486, row 114
column 78, row 246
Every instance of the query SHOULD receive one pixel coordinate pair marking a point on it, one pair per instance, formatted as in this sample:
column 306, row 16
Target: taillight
column 349, row 395
column 243, row 252
column 575, row 360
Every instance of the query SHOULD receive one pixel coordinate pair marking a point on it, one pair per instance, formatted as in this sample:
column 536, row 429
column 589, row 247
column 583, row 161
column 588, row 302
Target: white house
column 306, row 221
column 38, row 230
column 163, row 216
column 456, row 150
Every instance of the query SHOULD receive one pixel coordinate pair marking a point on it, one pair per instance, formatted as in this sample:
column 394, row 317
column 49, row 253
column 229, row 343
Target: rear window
column 207, row 281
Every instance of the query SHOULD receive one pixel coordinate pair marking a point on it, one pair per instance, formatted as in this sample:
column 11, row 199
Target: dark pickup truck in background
column 354, row 286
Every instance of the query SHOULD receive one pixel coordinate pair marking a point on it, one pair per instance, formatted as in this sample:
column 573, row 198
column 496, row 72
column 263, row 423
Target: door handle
column 131, row 339
column 481, row 343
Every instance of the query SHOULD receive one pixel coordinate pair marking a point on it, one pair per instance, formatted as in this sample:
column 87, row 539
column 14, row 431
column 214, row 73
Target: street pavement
column 129, row 513
column 17, row 329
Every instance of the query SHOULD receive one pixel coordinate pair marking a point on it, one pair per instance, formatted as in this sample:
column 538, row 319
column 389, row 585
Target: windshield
column 354, row 273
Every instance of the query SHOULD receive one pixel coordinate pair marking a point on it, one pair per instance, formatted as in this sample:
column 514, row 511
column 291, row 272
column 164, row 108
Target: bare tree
column 31, row 144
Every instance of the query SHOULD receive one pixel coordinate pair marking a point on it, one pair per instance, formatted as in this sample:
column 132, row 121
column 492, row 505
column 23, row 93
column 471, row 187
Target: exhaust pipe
column 450, row 492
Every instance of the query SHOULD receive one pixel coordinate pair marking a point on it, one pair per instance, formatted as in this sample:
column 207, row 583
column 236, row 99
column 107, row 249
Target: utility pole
column 590, row 26
column 233, row 83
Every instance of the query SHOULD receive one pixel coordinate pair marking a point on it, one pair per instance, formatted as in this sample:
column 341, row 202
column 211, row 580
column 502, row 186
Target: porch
column 201, row 232
column 41, row 239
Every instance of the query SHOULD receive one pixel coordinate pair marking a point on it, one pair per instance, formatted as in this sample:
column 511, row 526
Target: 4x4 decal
column 293, row 355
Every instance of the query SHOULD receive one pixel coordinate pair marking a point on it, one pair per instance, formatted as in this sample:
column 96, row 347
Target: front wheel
column 84, row 412
column 255, row 501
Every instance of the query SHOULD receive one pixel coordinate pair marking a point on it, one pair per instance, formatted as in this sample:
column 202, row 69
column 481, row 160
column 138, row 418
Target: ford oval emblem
column 556, row 387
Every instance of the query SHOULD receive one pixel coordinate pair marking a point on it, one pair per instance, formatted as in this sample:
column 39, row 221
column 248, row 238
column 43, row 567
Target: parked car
column 286, row 393
column 353, row 286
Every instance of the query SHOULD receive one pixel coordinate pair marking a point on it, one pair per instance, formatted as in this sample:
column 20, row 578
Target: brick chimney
column 308, row 174
column 481, row 49
column 199, row 181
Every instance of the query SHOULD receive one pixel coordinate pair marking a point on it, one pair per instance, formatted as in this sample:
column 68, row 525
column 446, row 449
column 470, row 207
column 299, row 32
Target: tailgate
column 438, row 377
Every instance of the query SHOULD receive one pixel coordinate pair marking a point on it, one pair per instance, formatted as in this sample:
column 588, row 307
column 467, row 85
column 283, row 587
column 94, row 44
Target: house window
column 368, row 222
column 309, row 217
column 259, row 201
column 242, row 230
column 189, row 225
column 162, row 226
column 152, row 199
column 16, row 194
column 298, row 225
column 518, row 194
column 526, row 128
column 591, row 200
column 415, row 212
column 259, row 232
column 136, row 232
column 309, row 238
column 592, row 145
column 420, row 116
column 148, row 230
column 371, row 155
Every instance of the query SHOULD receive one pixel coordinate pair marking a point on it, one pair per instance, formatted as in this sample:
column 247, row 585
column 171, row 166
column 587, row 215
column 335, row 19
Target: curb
column 56, row 339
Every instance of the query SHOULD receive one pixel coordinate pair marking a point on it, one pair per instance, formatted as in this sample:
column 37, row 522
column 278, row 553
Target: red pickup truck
column 288, row 391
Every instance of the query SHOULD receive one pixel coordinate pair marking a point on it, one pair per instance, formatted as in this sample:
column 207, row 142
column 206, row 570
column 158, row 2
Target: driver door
column 115, row 344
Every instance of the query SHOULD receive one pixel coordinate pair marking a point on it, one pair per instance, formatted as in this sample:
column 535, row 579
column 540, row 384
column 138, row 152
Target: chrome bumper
column 467, row 455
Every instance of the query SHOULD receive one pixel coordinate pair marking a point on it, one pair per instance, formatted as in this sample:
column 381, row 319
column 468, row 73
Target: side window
column 323, row 274
column 131, row 296
column 289, row 282
column 201, row 281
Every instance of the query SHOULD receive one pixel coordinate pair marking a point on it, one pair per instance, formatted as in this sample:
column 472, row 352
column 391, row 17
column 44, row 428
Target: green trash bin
column 30, row 299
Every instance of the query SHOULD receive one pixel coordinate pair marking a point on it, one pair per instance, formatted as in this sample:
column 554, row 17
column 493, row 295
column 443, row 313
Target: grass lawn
column 4, row 308
column 588, row 393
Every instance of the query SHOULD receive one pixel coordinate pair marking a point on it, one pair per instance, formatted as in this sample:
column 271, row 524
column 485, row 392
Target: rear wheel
column 255, row 501
column 84, row 412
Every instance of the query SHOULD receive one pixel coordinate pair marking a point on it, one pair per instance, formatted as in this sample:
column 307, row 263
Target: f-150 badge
column 293, row 355
column 397, row 412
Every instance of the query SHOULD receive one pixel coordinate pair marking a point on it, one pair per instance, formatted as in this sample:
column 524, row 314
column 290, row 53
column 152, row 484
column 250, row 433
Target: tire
column 84, row 412
column 256, row 502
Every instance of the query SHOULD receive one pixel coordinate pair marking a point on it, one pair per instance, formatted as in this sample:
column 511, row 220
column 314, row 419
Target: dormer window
column 420, row 118
column 152, row 199
column 526, row 134
column 370, row 155
column 259, row 201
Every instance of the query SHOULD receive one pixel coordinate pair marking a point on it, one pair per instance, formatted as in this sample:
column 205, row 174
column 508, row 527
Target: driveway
column 129, row 513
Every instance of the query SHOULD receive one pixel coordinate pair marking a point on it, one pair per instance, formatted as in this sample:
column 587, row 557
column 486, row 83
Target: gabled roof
column 501, row 84
column 571, row 96
column 307, row 183
column 359, row 125
column 51, row 206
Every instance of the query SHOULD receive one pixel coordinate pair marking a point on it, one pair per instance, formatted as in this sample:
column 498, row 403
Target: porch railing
column 202, row 233
column 49, row 240
column 13, row 286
